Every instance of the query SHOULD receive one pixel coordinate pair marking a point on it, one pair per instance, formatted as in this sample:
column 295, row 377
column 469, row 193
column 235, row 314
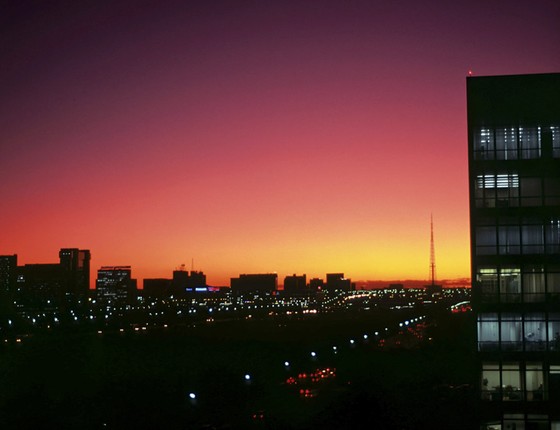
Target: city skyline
column 251, row 138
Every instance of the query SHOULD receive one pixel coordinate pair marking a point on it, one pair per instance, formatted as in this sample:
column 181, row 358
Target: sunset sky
column 251, row 136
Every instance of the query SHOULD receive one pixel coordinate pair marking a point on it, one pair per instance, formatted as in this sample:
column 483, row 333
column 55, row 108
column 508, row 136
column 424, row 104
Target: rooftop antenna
column 192, row 264
column 432, row 252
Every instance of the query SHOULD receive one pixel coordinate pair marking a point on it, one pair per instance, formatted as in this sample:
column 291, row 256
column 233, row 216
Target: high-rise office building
column 114, row 283
column 75, row 262
column 514, row 187
column 8, row 274
column 8, row 266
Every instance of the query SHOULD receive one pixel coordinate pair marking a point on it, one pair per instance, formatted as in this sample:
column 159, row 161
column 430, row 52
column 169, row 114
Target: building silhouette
column 75, row 262
column 337, row 281
column 156, row 288
column 115, row 284
column 37, row 286
column 316, row 284
column 295, row 285
column 180, row 286
column 8, row 272
column 8, row 276
column 253, row 283
column 514, row 188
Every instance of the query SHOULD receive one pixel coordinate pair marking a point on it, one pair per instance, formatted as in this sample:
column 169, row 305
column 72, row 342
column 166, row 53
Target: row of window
column 512, row 331
column 532, row 284
column 522, row 422
column 518, row 239
column 516, row 143
column 515, row 381
column 510, row 190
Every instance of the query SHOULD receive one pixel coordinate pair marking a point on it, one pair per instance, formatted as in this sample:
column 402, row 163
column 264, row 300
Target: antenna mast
column 432, row 252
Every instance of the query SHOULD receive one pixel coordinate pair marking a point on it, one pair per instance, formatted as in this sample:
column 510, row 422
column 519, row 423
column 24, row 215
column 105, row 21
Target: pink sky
column 251, row 136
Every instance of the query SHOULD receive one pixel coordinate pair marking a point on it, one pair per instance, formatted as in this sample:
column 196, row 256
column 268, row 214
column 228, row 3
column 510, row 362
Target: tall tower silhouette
column 432, row 252
column 432, row 288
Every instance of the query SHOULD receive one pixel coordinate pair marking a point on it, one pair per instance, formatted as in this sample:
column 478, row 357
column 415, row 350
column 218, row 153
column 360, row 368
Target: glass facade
column 514, row 182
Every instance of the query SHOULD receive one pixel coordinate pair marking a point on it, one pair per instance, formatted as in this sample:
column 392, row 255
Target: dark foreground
column 142, row 379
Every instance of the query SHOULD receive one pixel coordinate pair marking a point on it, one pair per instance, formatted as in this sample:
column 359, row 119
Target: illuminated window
column 490, row 381
column 534, row 382
column 511, row 382
column 497, row 190
column 553, row 331
column 506, row 143
column 552, row 233
column 510, row 284
column 530, row 142
column 488, row 335
column 488, row 282
column 555, row 131
column 511, row 332
column 484, row 144
column 534, row 332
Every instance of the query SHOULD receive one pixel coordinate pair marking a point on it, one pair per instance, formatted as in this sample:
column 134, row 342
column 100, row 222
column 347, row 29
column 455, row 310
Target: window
column 490, row 383
column 534, row 332
column 555, row 131
column 530, row 142
column 534, row 382
column 508, row 240
column 512, row 143
column 554, row 384
column 552, row 233
column 552, row 191
column 510, row 332
column 530, row 191
column 533, row 239
column 533, row 285
column 553, row 283
column 506, row 143
column 500, row 190
column 488, row 282
column 510, row 285
column 486, row 240
column 554, row 331
column 511, row 382
column 488, row 336
column 484, row 144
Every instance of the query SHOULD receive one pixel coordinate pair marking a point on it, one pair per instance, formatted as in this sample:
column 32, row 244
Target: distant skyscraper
column 514, row 184
column 8, row 271
column 337, row 281
column 115, row 283
column 8, row 275
column 75, row 262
